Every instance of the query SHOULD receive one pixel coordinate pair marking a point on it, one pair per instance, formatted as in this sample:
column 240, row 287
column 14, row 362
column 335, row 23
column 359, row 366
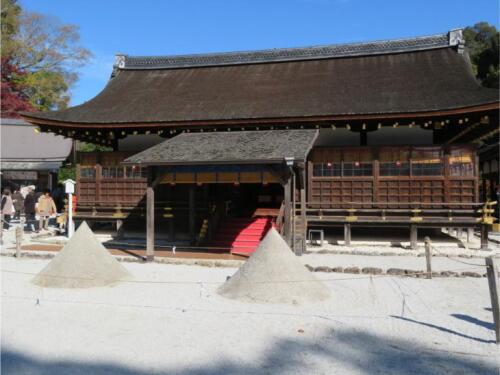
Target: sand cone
column 82, row 263
column 274, row 274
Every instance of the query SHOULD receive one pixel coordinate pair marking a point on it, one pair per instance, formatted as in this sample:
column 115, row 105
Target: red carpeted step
column 241, row 235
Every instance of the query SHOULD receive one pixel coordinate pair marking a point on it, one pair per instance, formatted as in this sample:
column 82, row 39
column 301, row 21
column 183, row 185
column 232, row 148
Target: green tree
column 65, row 173
column 9, row 25
column 92, row 147
column 482, row 41
column 48, row 53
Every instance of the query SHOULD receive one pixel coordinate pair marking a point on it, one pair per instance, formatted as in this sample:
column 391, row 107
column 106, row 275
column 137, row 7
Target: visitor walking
column 18, row 200
column 46, row 208
column 30, row 211
column 7, row 208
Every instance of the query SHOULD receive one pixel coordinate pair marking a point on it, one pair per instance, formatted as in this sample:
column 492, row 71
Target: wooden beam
column 284, row 121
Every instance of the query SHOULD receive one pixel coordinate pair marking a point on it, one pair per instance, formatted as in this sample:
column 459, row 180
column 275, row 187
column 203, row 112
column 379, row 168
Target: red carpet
column 241, row 235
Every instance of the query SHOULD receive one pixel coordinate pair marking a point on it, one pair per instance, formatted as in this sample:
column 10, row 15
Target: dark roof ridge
column 453, row 38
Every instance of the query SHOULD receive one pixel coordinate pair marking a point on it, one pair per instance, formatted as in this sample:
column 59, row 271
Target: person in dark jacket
column 30, row 211
column 18, row 200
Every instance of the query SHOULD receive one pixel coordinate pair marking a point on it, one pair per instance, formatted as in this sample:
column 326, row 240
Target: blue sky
column 163, row 27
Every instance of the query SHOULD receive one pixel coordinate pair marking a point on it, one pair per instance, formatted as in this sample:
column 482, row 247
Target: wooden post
column 19, row 239
column 303, row 218
column 150, row 217
column 484, row 236
column 347, row 234
column 119, row 228
column 428, row 257
column 192, row 221
column 470, row 234
column 171, row 223
column 413, row 237
column 98, row 175
column 376, row 179
column 287, row 216
column 150, row 223
column 492, row 274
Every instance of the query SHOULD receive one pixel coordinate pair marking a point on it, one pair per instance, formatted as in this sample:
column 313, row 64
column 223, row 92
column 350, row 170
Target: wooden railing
column 418, row 213
column 280, row 219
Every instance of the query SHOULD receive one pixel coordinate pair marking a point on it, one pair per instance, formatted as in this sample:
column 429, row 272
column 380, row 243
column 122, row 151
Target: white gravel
column 172, row 321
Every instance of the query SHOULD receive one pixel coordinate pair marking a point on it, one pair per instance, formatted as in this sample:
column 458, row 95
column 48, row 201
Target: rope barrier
column 457, row 260
column 411, row 275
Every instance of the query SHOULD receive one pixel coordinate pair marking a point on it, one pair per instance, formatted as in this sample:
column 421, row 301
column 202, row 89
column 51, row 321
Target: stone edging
column 131, row 259
column 392, row 272
column 390, row 253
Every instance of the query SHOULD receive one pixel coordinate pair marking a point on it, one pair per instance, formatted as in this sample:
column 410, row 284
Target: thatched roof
column 405, row 76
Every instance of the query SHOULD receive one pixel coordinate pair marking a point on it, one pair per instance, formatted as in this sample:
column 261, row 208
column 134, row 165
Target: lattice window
column 395, row 169
column 87, row 172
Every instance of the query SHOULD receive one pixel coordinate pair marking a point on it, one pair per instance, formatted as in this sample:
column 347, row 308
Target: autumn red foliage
column 13, row 98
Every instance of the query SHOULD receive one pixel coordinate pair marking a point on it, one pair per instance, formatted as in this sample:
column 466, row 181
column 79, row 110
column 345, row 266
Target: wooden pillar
column 376, row 180
column 287, row 187
column 98, row 174
column 347, row 234
column 446, row 183
column 78, row 179
column 171, row 223
column 119, row 228
column 413, row 237
column 470, row 234
column 303, row 206
column 484, row 236
column 192, row 219
column 150, row 222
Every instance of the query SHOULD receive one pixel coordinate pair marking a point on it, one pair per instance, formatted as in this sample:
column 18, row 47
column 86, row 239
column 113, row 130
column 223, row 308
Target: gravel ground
column 170, row 320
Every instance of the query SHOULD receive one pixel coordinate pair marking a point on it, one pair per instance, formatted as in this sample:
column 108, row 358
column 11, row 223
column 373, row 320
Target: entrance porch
column 246, row 180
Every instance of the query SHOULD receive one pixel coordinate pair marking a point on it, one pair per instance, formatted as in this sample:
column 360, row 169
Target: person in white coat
column 7, row 208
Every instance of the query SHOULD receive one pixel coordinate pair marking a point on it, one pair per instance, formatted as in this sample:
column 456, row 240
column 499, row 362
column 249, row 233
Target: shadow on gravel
column 475, row 321
column 335, row 352
column 444, row 329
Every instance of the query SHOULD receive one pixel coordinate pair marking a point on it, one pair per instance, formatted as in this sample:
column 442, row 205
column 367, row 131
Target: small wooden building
column 367, row 134
column 28, row 157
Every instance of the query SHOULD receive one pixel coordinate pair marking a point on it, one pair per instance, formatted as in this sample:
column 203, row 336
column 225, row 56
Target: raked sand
column 82, row 263
column 274, row 274
column 171, row 320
